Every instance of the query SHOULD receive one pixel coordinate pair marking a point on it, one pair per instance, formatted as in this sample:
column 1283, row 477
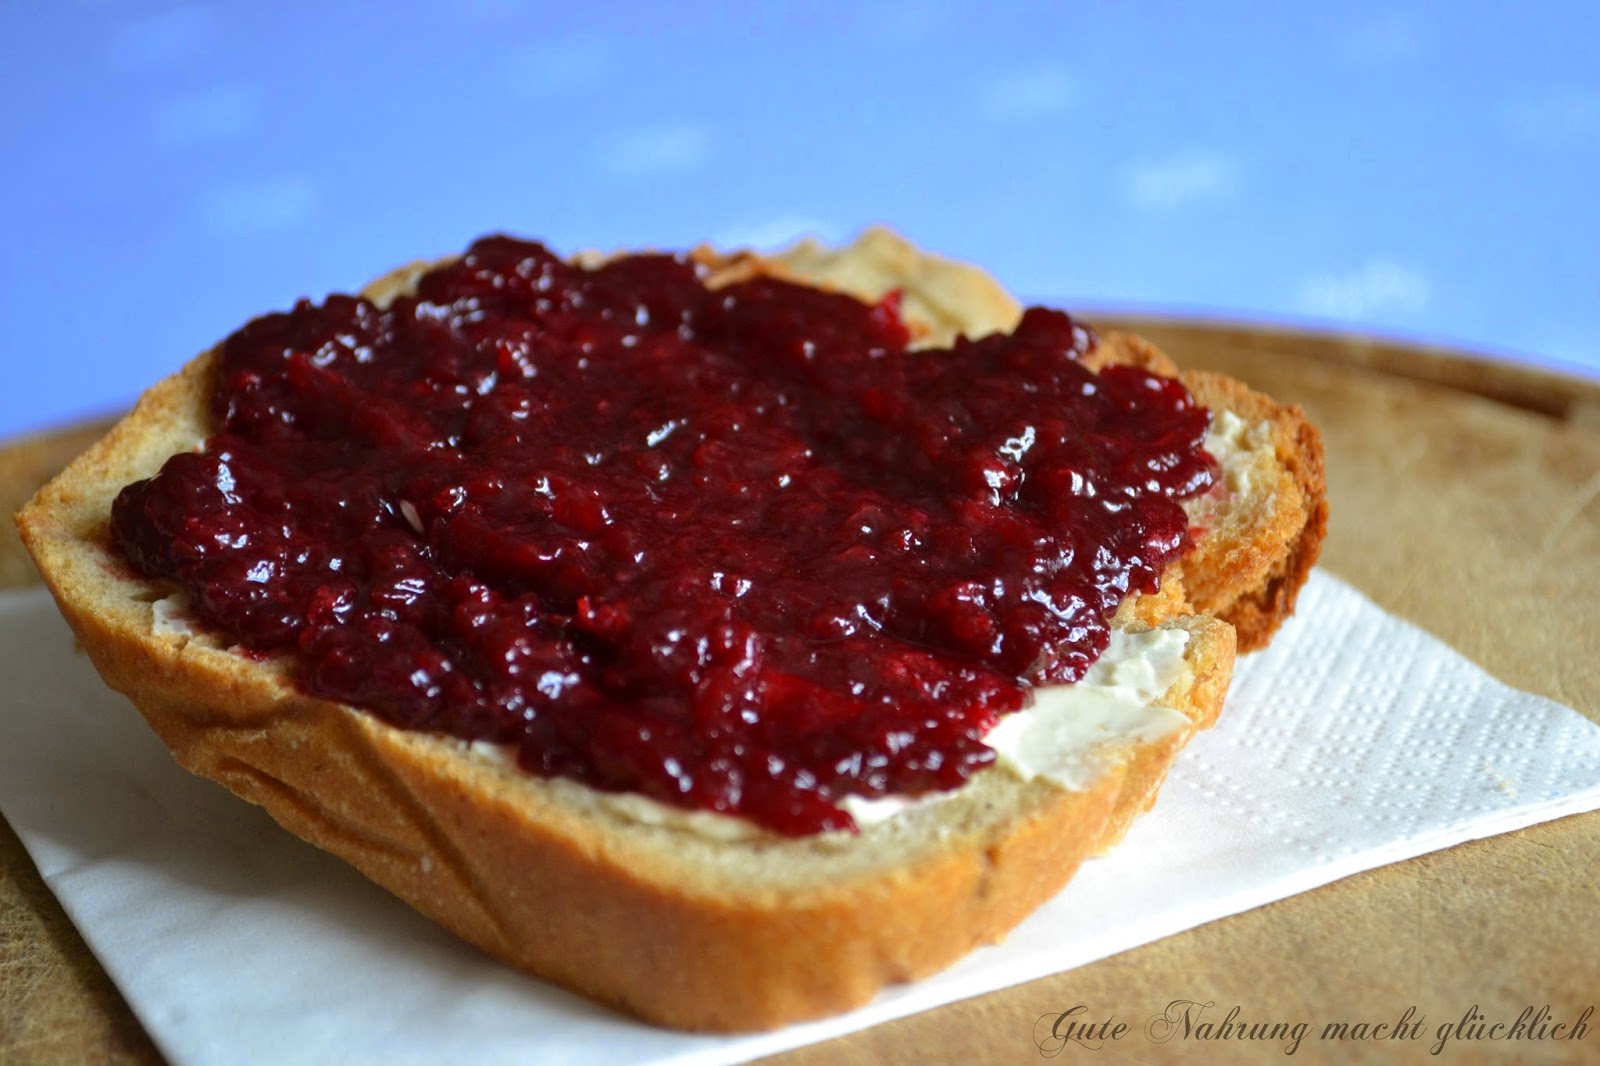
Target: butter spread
column 1066, row 736
column 1063, row 736
column 1236, row 444
column 170, row 617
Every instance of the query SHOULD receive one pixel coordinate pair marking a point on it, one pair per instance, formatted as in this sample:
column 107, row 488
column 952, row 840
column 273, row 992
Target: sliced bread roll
column 698, row 921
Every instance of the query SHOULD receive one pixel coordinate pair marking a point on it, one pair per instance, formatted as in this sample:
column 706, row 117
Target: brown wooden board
column 1465, row 498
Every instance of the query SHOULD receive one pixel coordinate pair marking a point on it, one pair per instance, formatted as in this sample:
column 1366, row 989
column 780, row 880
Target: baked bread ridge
column 754, row 934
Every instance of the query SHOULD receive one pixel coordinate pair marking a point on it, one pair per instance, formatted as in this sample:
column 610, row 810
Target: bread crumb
column 1505, row 785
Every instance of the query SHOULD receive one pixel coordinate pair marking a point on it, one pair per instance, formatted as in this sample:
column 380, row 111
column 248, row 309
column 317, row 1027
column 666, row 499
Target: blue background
column 1417, row 170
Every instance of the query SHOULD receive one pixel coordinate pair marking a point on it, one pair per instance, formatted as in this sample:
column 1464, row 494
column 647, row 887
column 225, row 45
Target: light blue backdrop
column 1419, row 170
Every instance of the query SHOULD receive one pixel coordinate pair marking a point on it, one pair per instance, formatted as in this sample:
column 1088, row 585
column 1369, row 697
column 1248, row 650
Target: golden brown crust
column 1251, row 556
column 1129, row 349
column 1250, row 570
column 753, row 934
column 1214, row 643
column 942, row 297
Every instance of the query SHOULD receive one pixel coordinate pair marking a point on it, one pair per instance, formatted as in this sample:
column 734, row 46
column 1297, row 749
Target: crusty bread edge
column 1251, row 577
column 606, row 907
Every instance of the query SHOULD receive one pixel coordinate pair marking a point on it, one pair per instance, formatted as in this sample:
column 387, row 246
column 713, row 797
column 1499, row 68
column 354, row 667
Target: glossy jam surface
column 736, row 549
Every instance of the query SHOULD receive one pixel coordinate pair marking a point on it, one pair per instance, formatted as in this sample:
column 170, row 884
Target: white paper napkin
column 1356, row 741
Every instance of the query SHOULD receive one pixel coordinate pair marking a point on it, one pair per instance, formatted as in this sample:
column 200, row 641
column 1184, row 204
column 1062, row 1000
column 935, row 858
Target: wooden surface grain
column 1466, row 498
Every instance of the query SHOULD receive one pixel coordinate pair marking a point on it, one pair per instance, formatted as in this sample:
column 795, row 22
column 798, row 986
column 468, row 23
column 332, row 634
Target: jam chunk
column 738, row 549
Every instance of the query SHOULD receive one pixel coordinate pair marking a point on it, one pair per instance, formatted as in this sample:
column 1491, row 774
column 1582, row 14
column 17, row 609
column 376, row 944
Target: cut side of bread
column 683, row 928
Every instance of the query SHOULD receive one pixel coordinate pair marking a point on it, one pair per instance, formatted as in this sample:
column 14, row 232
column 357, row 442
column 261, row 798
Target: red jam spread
column 736, row 549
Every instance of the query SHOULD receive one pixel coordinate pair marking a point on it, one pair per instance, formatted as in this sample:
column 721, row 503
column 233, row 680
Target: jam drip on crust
column 736, row 549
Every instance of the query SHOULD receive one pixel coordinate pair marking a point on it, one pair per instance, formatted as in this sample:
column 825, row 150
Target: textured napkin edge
column 956, row 986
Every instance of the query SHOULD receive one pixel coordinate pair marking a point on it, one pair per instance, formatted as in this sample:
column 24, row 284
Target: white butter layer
column 170, row 617
column 1063, row 737
column 1235, row 444
column 1068, row 736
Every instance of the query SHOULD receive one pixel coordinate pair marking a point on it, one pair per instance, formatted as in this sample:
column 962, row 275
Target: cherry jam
column 738, row 549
